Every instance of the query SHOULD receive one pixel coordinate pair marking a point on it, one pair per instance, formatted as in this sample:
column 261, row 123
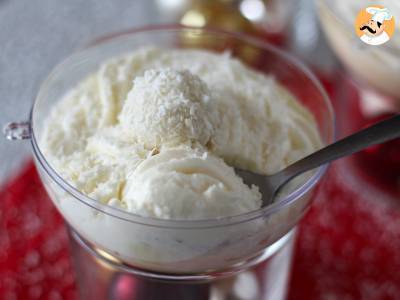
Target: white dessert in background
column 378, row 66
column 156, row 133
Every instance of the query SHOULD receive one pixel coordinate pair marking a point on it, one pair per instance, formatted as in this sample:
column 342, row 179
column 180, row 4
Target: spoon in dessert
column 269, row 186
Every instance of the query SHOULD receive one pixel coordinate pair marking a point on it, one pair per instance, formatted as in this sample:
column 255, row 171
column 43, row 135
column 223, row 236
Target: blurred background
column 357, row 260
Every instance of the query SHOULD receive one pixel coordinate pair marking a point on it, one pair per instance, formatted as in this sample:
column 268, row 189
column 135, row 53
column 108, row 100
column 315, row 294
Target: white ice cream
column 187, row 184
column 168, row 107
column 149, row 133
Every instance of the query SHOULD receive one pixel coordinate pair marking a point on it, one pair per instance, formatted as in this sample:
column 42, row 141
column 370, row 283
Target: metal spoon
column 383, row 131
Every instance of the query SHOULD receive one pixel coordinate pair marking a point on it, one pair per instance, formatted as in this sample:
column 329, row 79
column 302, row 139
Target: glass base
column 264, row 277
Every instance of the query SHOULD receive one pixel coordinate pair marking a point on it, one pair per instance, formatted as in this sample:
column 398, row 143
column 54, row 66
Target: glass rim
column 178, row 223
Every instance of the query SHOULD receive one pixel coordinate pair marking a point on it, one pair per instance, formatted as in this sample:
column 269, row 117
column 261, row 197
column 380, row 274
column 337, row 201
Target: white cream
column 182, row 183
column 168, row 107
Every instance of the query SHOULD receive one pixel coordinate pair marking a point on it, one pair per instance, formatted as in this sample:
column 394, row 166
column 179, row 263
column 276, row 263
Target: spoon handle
column 386, row 130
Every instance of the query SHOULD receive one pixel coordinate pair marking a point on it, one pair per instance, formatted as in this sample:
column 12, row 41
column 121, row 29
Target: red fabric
column 34, row 257
column 349, row 243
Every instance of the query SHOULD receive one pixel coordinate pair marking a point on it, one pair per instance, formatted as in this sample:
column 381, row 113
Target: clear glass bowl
column 172, row 246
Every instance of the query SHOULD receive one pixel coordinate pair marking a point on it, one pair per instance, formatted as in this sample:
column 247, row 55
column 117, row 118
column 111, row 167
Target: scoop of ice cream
column 187, row 184
column 167, row 106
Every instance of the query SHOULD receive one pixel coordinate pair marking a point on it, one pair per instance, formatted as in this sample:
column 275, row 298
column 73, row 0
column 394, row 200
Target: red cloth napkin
column 34, row 256
column 349, row 242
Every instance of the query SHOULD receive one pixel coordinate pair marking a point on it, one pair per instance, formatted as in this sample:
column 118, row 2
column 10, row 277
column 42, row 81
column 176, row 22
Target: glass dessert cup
column 374, row 66
column 376, row 70
column 117, row 252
